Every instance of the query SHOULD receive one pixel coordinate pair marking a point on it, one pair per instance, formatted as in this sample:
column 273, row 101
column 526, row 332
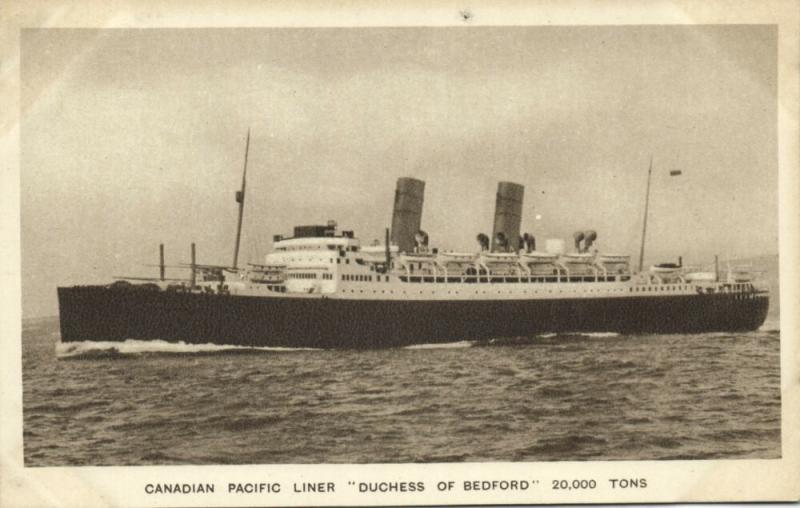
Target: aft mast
column 644, row 222
column 240, row 200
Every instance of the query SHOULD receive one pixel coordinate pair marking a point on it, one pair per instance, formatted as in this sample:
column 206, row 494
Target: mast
column 388, row 251
column 644, row 222
column 193, row 279
column 240, row 200
column 161, row 266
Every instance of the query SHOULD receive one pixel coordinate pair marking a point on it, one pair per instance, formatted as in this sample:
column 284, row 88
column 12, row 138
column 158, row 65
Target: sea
column 540, row 398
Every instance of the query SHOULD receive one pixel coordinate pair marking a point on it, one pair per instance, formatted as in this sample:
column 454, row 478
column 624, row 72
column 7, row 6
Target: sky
column 131, row 138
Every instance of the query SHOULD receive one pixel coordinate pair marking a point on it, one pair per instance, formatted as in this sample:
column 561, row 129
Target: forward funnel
column 407, row 213
column 507, row 217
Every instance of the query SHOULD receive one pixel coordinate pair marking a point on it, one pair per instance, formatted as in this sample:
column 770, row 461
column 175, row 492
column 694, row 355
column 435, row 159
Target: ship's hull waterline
column 101, row 313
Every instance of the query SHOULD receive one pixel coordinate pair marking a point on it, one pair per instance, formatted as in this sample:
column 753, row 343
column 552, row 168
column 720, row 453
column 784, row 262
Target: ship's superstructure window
column 303, row 275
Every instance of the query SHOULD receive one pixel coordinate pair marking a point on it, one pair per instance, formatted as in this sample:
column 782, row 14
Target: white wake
column 134, row 347
column 445, row 345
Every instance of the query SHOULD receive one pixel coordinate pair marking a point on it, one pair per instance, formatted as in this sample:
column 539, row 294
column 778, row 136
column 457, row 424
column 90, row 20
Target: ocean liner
column 321, row 288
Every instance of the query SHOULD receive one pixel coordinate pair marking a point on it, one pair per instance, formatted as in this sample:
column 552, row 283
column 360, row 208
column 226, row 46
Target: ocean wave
column 598, row 335
column 139, row 347
column 771, row 325
column 444, row 345
column 548, row 338
column 591, row 335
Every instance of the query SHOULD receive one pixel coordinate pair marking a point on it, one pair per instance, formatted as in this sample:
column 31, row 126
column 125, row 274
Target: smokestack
column 508, row 215
column 407, row 212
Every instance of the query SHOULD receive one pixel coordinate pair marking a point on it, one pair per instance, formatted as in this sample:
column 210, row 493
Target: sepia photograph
column 400, row 245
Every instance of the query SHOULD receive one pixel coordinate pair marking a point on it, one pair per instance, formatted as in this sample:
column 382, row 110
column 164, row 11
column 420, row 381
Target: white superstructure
column 328, row 264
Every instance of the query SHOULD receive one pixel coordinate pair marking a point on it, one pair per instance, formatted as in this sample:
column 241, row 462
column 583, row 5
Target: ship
column 320, row 287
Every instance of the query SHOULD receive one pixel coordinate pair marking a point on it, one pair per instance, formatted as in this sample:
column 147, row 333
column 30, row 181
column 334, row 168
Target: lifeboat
column 499, row 257
column 416, row 258
column 539, row 258
column 665, row 269
column 457, row 257
column 700, row 277
column 578, row 258
column 377, row 253
column 740, row 276
column 613, row 258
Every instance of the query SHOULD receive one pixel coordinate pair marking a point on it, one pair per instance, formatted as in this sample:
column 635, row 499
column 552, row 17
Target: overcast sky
column 135, row 137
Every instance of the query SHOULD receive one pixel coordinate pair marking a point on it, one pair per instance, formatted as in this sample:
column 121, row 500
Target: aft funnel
column 507, row 216
column 407, row 212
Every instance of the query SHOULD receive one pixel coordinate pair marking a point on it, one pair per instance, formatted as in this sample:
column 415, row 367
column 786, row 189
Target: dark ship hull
column 103, row 313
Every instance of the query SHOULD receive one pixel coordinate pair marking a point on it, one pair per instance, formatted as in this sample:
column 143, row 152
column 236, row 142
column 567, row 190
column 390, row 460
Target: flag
column 675, row 172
